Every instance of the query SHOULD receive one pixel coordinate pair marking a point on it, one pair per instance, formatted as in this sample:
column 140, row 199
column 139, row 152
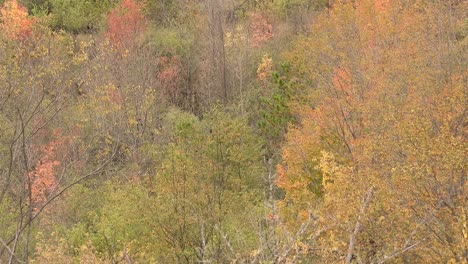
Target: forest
column 233, row 131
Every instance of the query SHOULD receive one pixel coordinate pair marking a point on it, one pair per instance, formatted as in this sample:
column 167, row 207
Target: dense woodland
column 233, row 131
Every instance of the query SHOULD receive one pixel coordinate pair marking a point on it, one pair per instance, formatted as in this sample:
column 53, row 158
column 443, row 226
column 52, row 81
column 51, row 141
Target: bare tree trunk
column 218, row 57
column 357, row 227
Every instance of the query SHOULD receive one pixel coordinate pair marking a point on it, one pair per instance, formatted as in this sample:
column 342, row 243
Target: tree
column 125, row 22
column 368, row 148
column 14, row 21
column 35, row 90
column 206, row 202
column 77, row 16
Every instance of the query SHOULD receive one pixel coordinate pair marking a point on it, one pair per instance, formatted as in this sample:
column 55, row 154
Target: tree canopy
column 237, row 131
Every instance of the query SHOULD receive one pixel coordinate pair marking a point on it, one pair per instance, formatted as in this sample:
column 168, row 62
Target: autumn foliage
column 14, row 21
column 263, row 131
column 169, row 75
column 125, row 22
column 43, row 178
column 261, row 30
column 374, row 146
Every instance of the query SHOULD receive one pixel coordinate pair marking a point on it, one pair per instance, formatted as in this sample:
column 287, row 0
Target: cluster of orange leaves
column 170, row 69
column 15, row 23
column 262, row 30
column 333, row 113
column 125, row 22
column 382, row 5
column 42, row 178
column 265, row 68
column 342, row 79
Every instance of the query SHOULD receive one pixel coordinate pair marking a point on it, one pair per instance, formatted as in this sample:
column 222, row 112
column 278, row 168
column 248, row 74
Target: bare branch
column 357, row 227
